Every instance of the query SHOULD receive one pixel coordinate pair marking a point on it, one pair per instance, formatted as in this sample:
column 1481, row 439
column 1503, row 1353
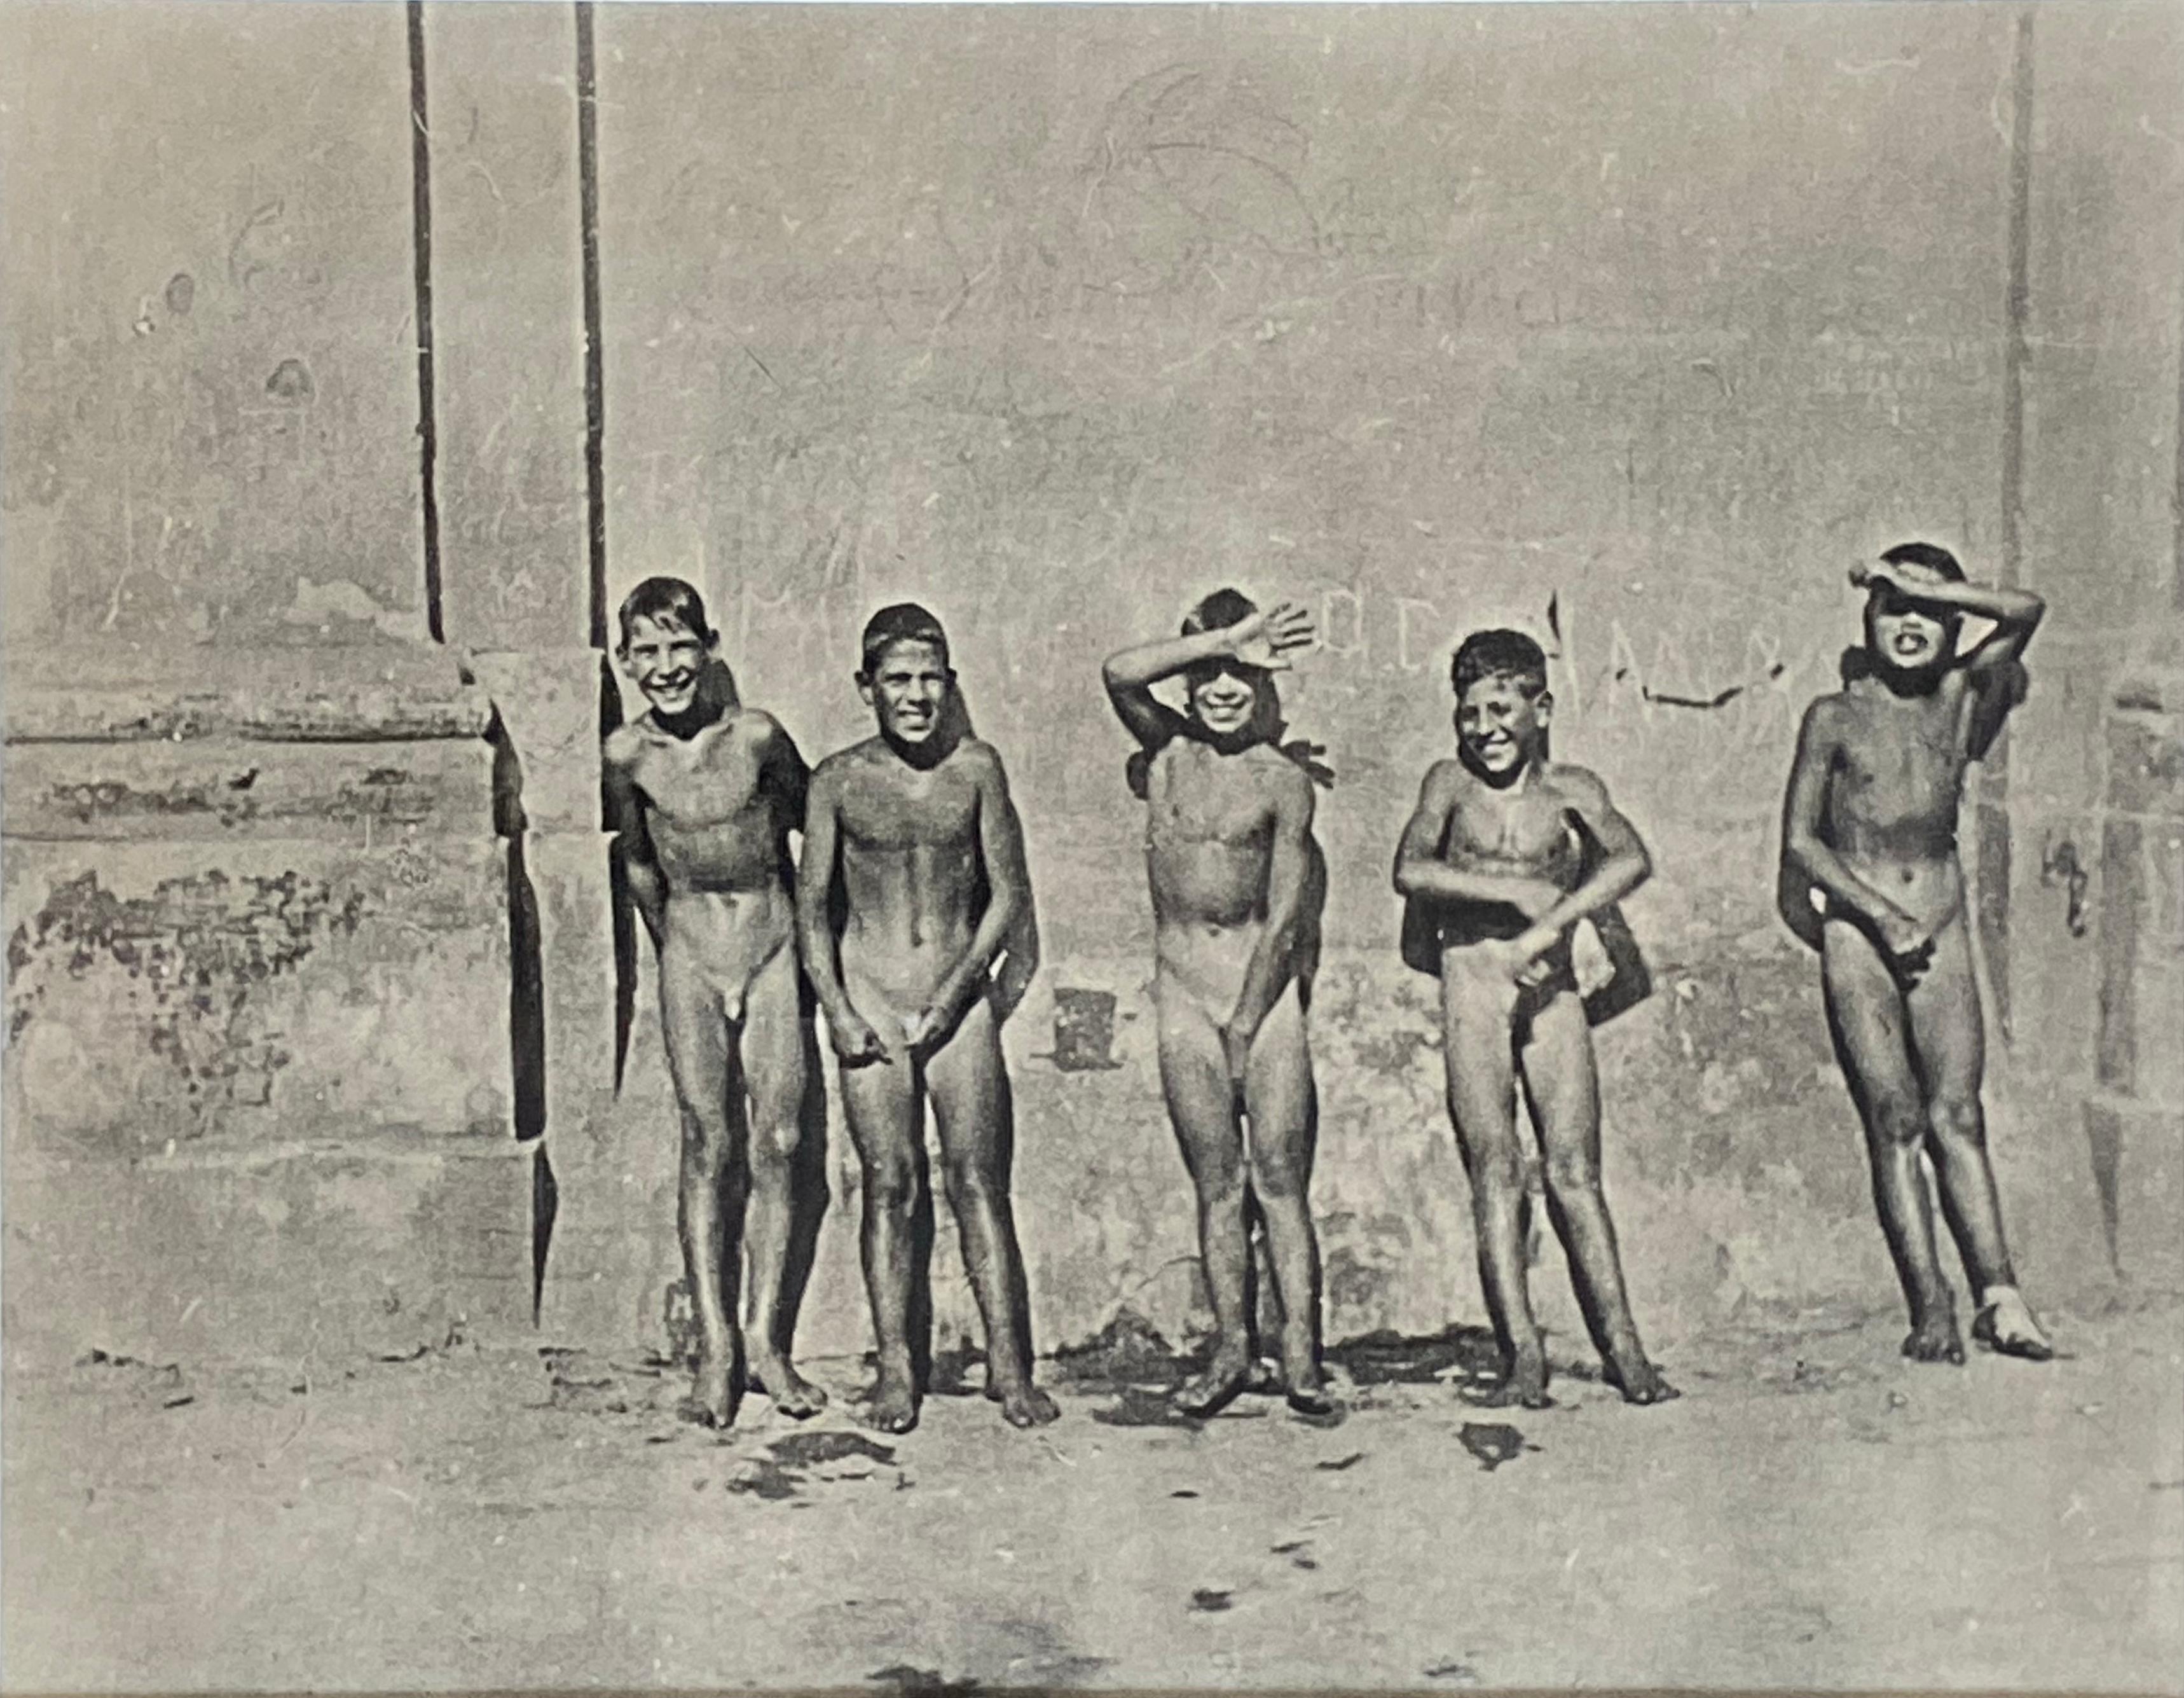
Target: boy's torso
column 711, row 825
column 910, row 865
column 1209, row 822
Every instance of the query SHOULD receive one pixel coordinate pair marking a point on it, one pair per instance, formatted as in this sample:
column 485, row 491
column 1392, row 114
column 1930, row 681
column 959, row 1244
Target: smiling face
column 1906, row 634
column 1501, row 724
column 1223, row 700
column 907, row 688
column 664, row 659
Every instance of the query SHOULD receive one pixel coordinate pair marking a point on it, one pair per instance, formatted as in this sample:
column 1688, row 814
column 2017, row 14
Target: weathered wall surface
column 258, row 1070
column 1638, row 325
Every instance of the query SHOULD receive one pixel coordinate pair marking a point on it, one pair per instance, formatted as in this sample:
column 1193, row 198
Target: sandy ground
column 1813, row 1512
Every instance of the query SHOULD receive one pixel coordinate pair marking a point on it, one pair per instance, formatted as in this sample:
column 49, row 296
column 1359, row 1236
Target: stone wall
column 1058, row 319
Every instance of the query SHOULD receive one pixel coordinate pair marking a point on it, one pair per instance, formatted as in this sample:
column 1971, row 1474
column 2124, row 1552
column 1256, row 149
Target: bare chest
column 1529, row 830
column 1898, row 761
column 890, row 813
column 1199, row 796
column 711, row 781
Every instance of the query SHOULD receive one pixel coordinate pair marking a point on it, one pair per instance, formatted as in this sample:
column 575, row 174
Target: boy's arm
column 1420, row 871
column 648, row 888
column 853, row 1038
column 1008, row 904
column 1994, row 670
column 1285, row 886
column 1809, row 863
column 782, row 771
column 2016, row 613
column 1265, row 640
column 1622, row 866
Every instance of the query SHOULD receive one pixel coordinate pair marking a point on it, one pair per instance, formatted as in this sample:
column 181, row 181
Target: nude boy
column 704, row 793
column 1494, row 850
column 1237, row 887
column 1870, row 876
column 916, row 824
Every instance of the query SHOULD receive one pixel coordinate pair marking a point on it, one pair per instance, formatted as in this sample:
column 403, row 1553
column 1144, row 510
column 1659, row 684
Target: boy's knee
column 891, row 1185
column 1572, row 1176
column 1220, row 1190
column 775, row 1141
column 1899, row 1120
column 1276, row 1182
column 967, row 1183
column 1498, row 1173
column 1959, row 1120
column 707, row 1139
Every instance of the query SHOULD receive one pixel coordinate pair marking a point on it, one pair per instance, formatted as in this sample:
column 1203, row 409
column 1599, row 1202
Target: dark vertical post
column 420, row 215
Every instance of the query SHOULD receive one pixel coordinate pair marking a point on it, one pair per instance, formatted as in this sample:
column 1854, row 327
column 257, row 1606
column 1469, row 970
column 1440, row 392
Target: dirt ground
column 1813, row 1512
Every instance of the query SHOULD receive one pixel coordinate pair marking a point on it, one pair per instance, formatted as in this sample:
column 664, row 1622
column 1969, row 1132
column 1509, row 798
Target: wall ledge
column 364, row 693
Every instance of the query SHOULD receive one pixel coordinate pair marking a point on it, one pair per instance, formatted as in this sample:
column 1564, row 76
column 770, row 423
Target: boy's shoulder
column 1831, row 713
column 621, row 746
column 844, row 760
column 976, row 754
column 1574, row 783
column 753, row 723
column 1448, row 776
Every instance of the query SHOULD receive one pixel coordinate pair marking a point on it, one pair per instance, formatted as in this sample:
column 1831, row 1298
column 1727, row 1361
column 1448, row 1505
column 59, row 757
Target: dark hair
column 1935, row 558
column 1218, row 612
column 906, row 622
column 667, row 602
column 1500, row 654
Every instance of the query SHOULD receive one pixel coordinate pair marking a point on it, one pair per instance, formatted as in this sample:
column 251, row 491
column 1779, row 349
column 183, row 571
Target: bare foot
column 1522, row 1384
column 1305, row 1386
column 1024, row 1404
column 793, row 1394
column 1213, row 1391
column 1933, row 1338
column 892, row 1405
column 1643, row 1384
column 716, row 1390
column 2006, row 1326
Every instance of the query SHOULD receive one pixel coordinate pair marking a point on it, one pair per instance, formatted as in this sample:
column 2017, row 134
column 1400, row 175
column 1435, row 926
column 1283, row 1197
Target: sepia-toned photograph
column 919, row 848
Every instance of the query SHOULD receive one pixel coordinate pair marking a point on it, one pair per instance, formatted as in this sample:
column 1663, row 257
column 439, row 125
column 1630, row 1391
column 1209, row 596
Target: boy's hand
column 854, row 1041
column 1909, row 940
column 1266, row 641
column 1906, row 579
column 928, row 1025
column 1588, row 960
column 1509, row 956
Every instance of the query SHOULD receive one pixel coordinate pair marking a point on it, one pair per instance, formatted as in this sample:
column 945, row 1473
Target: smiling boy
column 1496, row 851
column 705, row 794
column 1237, row 887
column 916, row 824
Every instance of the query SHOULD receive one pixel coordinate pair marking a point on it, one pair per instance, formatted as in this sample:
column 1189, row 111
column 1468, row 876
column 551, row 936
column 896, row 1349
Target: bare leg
column 714, row 1179
column 977, row 1119
column 1949, row 1044
column 773, row 1057
column 1870, row 1026
column 1478, row 1005
column 1556, row 1062
column 1284, row 1115
column 881, row 1100
column 1202, row 1105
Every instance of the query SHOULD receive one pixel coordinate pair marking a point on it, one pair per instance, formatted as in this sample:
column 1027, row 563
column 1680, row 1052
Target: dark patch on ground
column 1493, row 1443
column 923, row 1683
column 1128, row 1351
column 779, row 1474
column 1390, row 1358
column 1210, row 1599
column 1140, row 1406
